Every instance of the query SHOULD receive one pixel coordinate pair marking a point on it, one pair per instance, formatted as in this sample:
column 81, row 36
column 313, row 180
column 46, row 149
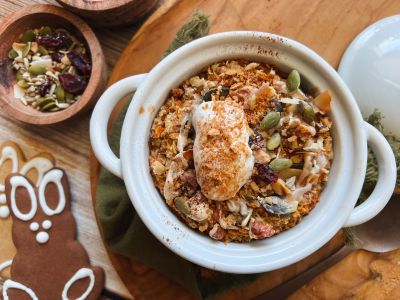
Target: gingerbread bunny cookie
column 12, row 160
column 50, row 263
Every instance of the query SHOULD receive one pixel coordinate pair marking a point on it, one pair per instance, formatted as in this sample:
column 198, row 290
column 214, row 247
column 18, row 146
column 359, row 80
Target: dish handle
column 386, row 179
column 100, row 117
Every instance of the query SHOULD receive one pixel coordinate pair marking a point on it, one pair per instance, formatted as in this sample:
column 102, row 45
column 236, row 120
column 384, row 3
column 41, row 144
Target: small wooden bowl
column 34, row 17
column 110, row 13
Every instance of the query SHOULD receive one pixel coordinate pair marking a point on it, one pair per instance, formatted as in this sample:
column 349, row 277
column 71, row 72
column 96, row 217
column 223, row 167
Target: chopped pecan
column 261, row 230
column 189, row 177
column 217, row 232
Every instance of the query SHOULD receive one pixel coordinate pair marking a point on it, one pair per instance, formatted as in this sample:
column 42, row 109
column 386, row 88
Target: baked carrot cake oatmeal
column 240, row 152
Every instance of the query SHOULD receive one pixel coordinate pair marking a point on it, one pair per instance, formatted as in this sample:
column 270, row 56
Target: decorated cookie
column 12, row 160
column 50, row 263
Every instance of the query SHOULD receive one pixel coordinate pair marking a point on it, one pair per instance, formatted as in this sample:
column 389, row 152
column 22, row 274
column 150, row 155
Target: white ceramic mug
column 336, row 207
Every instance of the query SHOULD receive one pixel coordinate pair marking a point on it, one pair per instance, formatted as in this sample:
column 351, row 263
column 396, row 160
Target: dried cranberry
column 42, row 89
column 73, row 84
column 57, row 56
column 217, row 232
column 80, row 61
column 266, row 173
column 58, row 40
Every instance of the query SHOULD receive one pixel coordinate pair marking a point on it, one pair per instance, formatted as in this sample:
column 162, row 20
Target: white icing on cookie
column 34, row 226
column 80, row 274
column 9, row 153
column 46, row 224
column 19, row 181
column 3, row 199
column 55, row 177
column 4, row 212
column 42, row 237
column 40, row 164
column 10, row 284
column 5, row 264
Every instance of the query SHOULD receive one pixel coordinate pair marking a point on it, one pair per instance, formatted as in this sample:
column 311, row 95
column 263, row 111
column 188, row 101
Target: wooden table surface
column 70, row 144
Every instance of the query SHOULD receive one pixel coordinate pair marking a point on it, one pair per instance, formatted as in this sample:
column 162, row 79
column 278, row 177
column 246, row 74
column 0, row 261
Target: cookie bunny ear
column 21, row 197
column 11, row 151
column 61, row 199
column 13, row 285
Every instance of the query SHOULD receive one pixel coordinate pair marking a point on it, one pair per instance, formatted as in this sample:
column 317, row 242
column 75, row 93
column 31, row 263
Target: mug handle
column 100, row 117
column 386, row 180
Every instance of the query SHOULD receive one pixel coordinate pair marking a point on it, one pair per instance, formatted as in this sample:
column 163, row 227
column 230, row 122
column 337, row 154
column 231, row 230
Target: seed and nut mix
column 52, row 68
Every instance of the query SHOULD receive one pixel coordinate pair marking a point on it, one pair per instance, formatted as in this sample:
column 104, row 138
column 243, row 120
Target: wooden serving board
column 325, row 26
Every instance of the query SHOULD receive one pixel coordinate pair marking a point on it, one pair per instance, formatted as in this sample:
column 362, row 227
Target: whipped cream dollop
column 222, row 156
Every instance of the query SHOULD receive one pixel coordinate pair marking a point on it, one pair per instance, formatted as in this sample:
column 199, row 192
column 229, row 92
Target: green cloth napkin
column 125, row 233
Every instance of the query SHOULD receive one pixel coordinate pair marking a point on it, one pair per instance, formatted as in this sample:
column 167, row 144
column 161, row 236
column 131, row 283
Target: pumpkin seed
column 22, row 83
column 45, row 100
column 54, row 109
column 274, row 141
column 288, row 173
column 43, row 50
column 293, row 81
column 37, row 70
column 182, row 205
column 28, row 36
column 308, row 112
column 270, row 120
column 279, row 164
column 19, row 76
column 26, row 50
column 60, row 93
column 12, row 54
column 45, row 30
column 48, row 106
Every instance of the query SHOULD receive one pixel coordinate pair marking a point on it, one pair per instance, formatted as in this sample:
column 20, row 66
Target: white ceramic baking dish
column 336, row 207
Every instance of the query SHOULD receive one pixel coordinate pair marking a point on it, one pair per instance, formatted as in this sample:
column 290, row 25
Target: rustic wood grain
column 32, row 17
column 361, row 275
column 325, row 26
column 70, row 144
column 110, row 13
